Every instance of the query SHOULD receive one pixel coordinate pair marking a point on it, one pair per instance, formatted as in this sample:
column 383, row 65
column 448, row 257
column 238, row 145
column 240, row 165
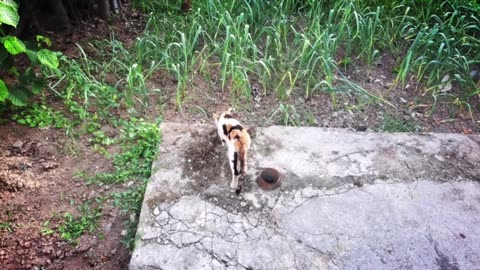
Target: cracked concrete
column 347, row 201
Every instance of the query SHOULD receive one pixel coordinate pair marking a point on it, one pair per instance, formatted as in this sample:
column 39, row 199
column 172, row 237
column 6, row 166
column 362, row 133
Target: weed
column 42, row 116
column 392, row 123
column 139, row 141
column 6, row 226
column 288, row 114
column 72, row 227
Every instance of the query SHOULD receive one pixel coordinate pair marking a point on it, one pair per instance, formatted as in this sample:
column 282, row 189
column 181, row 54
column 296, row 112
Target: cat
column 237, row 139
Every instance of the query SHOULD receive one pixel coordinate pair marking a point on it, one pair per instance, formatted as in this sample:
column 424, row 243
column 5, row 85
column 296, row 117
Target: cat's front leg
column 234, row 183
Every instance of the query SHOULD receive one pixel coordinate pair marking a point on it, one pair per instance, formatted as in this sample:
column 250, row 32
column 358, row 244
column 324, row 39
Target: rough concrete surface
column 347, row 201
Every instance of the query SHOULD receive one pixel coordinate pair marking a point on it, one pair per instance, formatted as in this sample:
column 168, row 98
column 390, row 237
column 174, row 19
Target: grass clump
column 393, row 123
column 304, row 45
column 72, row 227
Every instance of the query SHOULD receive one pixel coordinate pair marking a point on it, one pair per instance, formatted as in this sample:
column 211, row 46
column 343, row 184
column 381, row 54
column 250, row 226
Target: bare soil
column 38, row 166
column 37, row 184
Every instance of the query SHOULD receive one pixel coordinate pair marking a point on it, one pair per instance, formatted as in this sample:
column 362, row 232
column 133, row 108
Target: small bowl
column 269, row 179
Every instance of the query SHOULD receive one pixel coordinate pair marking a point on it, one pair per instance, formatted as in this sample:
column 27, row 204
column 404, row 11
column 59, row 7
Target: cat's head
column 225, row 114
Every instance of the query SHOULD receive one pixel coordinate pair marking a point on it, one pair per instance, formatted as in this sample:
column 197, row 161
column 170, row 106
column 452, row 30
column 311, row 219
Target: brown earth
column 38, row 184
column 38, row 166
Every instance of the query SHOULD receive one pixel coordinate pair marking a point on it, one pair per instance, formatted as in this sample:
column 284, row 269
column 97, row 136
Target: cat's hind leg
column 233, row 161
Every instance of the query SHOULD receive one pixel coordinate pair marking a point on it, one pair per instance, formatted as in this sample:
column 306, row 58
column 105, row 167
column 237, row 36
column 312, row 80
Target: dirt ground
column 38, row 166
column 38, row 184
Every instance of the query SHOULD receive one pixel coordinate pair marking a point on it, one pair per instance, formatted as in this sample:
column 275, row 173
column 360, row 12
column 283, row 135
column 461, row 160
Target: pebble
column 123, row 232
column 108, row 228
column 156, row 211
column 18, row 144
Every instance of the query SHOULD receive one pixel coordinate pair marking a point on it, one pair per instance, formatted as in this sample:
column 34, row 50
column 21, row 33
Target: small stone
column 108, row 228
column 388, row 85
column 156, row 211
column 123, row 233
column 130, row 183
column 243, row 204
column 474, row 73
column 18, row 144
column 109, row 131
column 47, row 250
column 49, row 165
column 85, row 242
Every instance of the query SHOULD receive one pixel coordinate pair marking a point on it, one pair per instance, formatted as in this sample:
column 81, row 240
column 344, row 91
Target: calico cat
column 237, row 139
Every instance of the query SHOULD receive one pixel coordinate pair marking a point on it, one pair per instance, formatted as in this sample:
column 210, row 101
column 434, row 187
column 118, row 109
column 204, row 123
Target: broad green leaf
column 3, row 91
column 48, row 58
column 10, row 3
column 18, row 97
column 14, row 45
column 32, row 56
column 8, row 15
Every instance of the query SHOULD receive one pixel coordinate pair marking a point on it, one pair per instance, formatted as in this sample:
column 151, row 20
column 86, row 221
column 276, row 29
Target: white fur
column 224, row 121
column 230, row 146
column 231, row 153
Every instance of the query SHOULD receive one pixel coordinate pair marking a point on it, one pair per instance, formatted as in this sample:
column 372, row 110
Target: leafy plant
column 28, row 82
column 42, row 116
column 139, row 145
column 72, row 227
column 6, row 226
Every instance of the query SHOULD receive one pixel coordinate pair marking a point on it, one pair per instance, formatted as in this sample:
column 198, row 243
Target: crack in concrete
column 349, row 154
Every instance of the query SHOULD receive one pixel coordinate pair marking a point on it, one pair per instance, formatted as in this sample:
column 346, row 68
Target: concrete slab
column 347, row 201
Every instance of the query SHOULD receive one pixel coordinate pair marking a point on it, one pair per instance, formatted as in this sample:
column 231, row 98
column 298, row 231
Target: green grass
column 290, row 47
column 299, row 46
column 393, row 123
column 74, row 226
column 6, row 226
column 42, row 116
